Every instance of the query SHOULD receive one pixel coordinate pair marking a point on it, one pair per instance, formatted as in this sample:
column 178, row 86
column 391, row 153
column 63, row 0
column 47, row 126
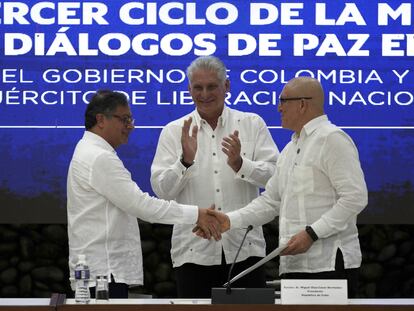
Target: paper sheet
column 272, row 255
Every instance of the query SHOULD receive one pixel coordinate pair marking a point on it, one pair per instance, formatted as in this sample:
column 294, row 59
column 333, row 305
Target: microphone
column 228, row 295
column 228, row 284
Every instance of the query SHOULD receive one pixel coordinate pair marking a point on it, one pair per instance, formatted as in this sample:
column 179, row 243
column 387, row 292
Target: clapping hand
column 189, row 142
column 231, row 146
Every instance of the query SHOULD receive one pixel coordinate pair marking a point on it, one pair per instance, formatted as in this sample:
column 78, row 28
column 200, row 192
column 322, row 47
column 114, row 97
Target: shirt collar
column 98, row 140
column 312, row 126
column 199, row 121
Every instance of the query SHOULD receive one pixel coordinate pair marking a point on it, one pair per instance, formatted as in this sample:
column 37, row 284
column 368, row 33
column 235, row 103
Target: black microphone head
column 249, row 228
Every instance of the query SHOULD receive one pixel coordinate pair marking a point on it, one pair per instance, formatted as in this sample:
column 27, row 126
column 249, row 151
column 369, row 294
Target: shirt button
column 219, row 208
column 217, row 190
column 215, row 172
column 242, row 176
column 214, row 153
column 297, row 151
column 212, row 136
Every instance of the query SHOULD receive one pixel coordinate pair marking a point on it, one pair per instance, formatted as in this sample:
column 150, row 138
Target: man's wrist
column 187, row 165
column 311, row 233
column 238, row 165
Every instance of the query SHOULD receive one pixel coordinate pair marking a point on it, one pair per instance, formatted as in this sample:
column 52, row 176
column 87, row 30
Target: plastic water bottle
column 82, row 294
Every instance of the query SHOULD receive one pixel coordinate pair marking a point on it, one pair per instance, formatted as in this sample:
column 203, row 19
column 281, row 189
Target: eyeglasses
column 283, row 100
column 126, row 120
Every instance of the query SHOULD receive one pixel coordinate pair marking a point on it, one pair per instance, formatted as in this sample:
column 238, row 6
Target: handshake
column 211, row 223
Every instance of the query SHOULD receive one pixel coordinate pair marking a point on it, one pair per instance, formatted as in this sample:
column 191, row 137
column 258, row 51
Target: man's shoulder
column 178, row 122
column 330, row 128
column 245, row 115
column 331, row 132
column 88, row 152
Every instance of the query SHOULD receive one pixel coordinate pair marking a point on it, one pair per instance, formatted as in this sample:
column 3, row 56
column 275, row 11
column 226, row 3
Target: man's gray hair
column 211, row 63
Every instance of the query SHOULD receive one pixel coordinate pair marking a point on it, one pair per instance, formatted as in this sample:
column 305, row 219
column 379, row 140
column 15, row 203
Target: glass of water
column 101, row 289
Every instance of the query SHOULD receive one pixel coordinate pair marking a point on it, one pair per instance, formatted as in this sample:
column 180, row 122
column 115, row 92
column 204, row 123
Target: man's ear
column 302, row 107
column 303, row 104
column 100, row 120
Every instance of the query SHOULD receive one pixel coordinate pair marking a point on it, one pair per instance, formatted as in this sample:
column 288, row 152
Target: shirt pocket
column 247, row 149
column 303, row 182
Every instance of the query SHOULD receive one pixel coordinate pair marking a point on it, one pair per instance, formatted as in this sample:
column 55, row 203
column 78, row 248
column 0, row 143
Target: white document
column 272, row 255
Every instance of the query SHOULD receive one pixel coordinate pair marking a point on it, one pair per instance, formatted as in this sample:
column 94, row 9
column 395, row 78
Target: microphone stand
column 228, row 284
column 228, row 295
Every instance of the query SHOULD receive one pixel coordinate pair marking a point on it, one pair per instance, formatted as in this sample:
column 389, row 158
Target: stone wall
column 33, row 260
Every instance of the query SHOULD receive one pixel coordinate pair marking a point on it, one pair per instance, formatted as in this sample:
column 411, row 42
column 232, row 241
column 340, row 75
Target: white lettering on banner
column 14, row 97
column 13, row 76
column 400, row 76
column 174, row 98
column 385, row 12
column 47, row 98
column 152, row 13
column 138, row 98
column 330, row 44
column 245, row 44
column 241, row 41
column 260, row 98
column 111, row 44
column 178, row 76
column 391, row 44
column 53, row 98
column 336, row 76
column 71, row 76
column 350, row 14
column 251, row 76
column 62, row 13
column 344, row 76
column 376, row 98
column 267, row 13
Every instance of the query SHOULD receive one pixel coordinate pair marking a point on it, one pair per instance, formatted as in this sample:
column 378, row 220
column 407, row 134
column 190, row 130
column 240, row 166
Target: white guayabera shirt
column 103, row 206
column 211, row 180
column 318, row 182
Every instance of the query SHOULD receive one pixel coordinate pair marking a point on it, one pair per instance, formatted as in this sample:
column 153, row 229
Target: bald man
column 317, row 191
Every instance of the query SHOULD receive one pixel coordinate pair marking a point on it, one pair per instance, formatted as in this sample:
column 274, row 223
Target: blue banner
column 55, row 54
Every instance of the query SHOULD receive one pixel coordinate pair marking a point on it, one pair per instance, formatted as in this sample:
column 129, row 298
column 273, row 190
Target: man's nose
column 204, row 92
column 279, row 107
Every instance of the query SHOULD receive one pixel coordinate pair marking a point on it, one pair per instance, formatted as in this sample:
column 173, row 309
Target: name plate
column 314, row 292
